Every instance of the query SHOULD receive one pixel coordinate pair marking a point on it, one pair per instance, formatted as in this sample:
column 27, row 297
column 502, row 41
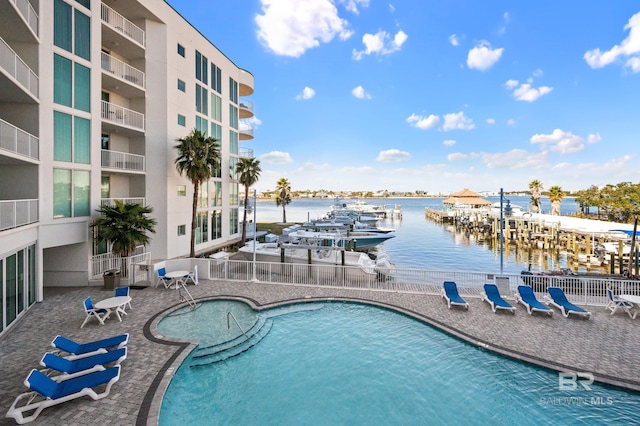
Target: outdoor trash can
column 111, row 279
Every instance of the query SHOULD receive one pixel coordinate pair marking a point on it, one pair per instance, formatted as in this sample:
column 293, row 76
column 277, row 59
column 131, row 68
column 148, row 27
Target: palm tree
column 283, row 196
column 248, row 170
column 536, row 191
column 198, row 156
column 555, row 197
column 124, row 226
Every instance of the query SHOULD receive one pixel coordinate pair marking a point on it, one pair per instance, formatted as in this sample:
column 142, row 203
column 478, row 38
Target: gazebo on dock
column 466, row 200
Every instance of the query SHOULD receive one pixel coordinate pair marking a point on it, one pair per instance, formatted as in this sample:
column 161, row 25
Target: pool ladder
column 185, row 297
column 229, row 316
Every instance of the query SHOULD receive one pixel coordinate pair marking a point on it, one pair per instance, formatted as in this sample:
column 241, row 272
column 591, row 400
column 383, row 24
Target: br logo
column 570, row 381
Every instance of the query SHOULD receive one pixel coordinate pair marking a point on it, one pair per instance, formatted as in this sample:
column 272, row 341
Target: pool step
column 232, row 348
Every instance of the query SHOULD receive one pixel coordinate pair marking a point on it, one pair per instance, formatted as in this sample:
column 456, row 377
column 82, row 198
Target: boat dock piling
column 529, row 233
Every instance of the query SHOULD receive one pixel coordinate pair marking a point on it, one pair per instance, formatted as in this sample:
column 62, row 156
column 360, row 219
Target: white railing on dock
column 16, row 140
column 28, row 13
column 123, row 70
column 17, row 68
column 15, row 213
column 122, row 25
column 584, row 290
column 123, row 161
column 122, row 116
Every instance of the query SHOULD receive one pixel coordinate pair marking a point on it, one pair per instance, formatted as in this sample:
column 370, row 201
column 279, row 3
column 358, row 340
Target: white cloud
column 393, row 156
column 491, row 121
column 449, row 142
column 276, row 157
column 507, row 17
column 453, row 39
column 511, row 122
column 423, row 123
column 380, row 43
column 559, row 141
column 307, row 93
column 352, row 5
column 528, row 93
column 538, row 73
column 510, row 84
column 483, row 56
column 627, row 48
column 457, row 156
column 594, row 138
column 360, row 93
column 252, row 121
column 457, row 121
column 392, row 8
column 515, row 159
column 290, row 27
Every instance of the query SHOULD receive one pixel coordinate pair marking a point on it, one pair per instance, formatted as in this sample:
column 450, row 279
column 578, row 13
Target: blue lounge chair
column 450, row 293
column 58, row 392
column 90, row 348
column 526, row 296
column 84, row 365
column 558, row 299
column 491, row 295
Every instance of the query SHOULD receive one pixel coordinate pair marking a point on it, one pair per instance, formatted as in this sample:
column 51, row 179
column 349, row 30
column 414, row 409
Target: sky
column 436, row 96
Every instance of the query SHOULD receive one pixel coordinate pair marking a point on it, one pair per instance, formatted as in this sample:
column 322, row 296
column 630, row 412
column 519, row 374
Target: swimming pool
column 346, row 363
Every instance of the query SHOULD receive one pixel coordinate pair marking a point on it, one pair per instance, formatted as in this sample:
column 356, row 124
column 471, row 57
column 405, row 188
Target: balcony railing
column 122, row 25
column 122, row 70
column 17, row 68
column 15, row 213
column 245, row 130
column 18, row 141
column 111, row 202
column 245, row 153
column 122, row 116
column 122, row 161
column 28, row 13
column 246, row 108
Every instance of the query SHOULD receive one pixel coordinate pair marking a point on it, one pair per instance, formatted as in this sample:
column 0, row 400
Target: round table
column 175, row 277
column 114, row 304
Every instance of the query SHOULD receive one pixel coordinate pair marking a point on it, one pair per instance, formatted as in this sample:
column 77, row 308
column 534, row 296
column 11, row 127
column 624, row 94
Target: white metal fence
column 14, row 213
column 122, row 116
column 122, row 25
column 16, row 140
column 17, row 68
column 123, row 70
column 123, row 161
column 581, row 290
column 101, row 263
column 111, row 202
column 28, row 13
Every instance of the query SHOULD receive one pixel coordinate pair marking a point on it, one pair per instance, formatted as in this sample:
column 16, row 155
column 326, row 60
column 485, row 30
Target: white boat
column 356, row 240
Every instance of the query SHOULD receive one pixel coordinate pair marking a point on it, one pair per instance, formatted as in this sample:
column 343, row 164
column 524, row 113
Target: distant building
column 466, row 199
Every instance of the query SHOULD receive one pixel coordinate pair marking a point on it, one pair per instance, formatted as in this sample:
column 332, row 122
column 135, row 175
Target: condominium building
column 93, row 96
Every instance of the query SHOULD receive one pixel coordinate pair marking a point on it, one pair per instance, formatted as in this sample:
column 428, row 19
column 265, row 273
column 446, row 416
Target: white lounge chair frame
column 99, row 314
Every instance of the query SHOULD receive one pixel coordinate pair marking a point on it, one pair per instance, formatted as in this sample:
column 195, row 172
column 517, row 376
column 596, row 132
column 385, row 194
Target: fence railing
column 245, row 129
column 123, row 70
column 17, row 68
column 16, row 140
column 123, row 161
column 245, row 104
column 28, row 13
column 131, row 200
column 122, row 25
column 584, row 290
column 245, row 153
column 122, row 116
column 101, row 263
column 15, row 213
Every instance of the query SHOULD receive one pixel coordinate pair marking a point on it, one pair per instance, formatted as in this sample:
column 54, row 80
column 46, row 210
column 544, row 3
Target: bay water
column 421, row 243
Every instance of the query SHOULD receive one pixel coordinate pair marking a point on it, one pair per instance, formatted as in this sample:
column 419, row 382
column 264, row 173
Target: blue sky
column 436, row 96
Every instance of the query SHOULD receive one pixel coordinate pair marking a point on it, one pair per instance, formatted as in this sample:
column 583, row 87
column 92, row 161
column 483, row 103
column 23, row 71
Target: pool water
column 354, row 364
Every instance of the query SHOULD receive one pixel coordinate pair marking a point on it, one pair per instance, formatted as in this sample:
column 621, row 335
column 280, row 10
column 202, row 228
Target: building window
column 216, row 78
column 216, row 132
column 104, row 141
column 182, row 86
column 202, row 124
column 82, row 87
column 216, row 193
column 85, row 3
column 233, row 116
column 182, row 229
column 233, row 142
column 71, row 190
column 202, row 227
column 202, row 68
column 182, row 191
column 216, row 107
column 81, row 140
column 233, row 91
column 216, row 224
column 64, row 30
column 105, row 186
column 233, row 194
column 182, row 120
column 202, row 99
column 61, row 80
column 203, row 194
column 71, row 145
column 180, row 50
column 233, row 221
column 62, row 25
column 82, row 35
column 233, row 162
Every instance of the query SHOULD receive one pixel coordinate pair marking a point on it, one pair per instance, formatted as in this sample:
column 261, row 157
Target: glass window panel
column 82, row 35
column 216, row 193
column 202, row 124
column 81, row 140
column 104, row 141
column 203, row 193
column 105, row 186
column 61, row 136
column 182, row 190
column 20, row 283
column 61, row 80
column 216, row 132
column 182, row 229
column 182, row 120
column 181, row 50
column 81, row 193
column 11, row 282
column 85, row 3
column 216, row 224
column 216, row 107
column 233, row 193
column 202, row 229
column 233, row 142
column 62, row 25
column 233, row 221
column 61, row 193
column 1, row 294
column 82, row 87
column 233, row 116
column 31, row 262
column 233, row 91
column 182, row 86
column 233, row 161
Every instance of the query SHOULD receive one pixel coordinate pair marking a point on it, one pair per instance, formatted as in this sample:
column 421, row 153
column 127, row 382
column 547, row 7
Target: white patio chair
column 193, row 276
column 614, row 302
column 99, row 314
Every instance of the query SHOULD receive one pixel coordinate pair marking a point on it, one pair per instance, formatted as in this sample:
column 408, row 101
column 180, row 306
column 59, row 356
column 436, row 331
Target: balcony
column 111, row 202
column 116, row 72
column 245, row 83
column 19, row 18
column 122, row 26
column 245, row 109
column 123, row 161
column 26, row 91
column 19, row 142
column 245, row 131
column 15, row 213
column 121, row 116
column 245, row 153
